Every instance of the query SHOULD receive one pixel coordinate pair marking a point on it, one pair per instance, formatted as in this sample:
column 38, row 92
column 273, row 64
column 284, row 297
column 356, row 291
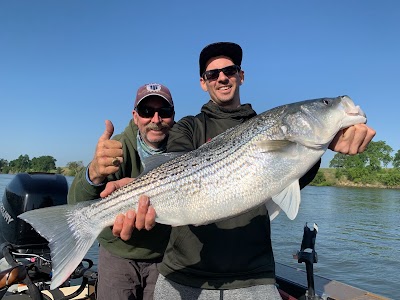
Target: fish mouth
column 350, row 108
column 354, row 114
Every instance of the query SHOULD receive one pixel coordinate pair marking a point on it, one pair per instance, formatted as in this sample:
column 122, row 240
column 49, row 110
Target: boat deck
column 294, row 281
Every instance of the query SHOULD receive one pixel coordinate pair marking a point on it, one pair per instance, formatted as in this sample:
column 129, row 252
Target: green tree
column 74, row 167
column 391, row 177
column 347, row 161
column 3, row 164
column 338, row 161
column 376, row 156
column 366, row 167
column 43, row 163
column 21, row 164
column 396, row 160
column 320, row 179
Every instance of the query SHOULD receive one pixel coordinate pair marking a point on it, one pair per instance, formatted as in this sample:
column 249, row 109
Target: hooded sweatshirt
column 229, row 254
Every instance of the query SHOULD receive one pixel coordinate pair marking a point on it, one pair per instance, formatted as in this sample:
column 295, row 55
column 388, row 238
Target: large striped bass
column 240, row 169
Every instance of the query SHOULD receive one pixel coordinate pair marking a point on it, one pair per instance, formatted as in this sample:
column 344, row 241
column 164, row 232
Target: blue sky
column 66, row 66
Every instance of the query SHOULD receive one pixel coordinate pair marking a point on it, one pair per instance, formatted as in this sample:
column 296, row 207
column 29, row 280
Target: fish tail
column 70, row 235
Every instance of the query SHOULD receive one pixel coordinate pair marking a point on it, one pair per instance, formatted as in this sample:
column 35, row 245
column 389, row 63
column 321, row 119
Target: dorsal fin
column 156, row 160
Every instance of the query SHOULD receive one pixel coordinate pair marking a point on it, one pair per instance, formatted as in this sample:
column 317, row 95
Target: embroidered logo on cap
column 153, row 87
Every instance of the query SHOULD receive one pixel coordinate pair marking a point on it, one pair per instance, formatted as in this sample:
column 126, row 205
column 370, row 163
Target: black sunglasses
column 148, row 112
column 214, row 74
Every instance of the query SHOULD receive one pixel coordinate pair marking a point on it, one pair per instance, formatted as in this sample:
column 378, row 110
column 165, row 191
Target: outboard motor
column 25, row 192
column 23, row 251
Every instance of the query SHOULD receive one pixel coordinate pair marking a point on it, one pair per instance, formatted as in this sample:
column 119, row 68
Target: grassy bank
column 326, row 177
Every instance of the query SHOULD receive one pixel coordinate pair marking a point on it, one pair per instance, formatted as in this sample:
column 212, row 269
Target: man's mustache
column 152, row 126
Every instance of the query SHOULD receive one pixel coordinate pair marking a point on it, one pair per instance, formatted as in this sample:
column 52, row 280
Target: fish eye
column 326, row 102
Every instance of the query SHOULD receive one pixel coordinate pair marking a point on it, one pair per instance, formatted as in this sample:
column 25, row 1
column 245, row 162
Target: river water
column 358, row 241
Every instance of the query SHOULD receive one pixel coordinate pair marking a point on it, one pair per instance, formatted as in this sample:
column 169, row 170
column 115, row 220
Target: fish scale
column 257, row 162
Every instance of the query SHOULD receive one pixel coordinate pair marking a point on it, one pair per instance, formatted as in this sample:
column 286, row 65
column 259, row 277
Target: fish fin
column 156, row 160
column 273, row 209
column 272, row 145
column 70, row 235
column 289, row 200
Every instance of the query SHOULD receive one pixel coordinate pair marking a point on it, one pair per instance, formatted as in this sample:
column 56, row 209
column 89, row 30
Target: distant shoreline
column 331, row 180
column 356, row 185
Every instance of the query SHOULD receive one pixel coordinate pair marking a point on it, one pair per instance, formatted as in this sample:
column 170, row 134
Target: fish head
column 314, row 123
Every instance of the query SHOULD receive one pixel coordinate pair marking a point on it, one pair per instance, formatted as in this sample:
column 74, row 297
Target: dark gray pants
column 125, row 279
column 169, row 290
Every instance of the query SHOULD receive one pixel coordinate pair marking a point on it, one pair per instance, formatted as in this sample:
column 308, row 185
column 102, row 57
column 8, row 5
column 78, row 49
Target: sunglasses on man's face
column 148, row 112
column 214, row 74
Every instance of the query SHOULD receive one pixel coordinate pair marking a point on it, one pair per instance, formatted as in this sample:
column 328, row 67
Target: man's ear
column 135, row 116
column 203, row 84
column 241, row 74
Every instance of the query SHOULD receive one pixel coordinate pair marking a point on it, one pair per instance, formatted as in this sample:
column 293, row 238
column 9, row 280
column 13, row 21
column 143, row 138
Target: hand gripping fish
column 259, row 161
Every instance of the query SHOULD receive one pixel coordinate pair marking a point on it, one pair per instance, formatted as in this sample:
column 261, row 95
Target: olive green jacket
column 143, row 245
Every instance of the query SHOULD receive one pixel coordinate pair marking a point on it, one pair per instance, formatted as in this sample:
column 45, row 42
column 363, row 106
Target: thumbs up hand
column 107, row 157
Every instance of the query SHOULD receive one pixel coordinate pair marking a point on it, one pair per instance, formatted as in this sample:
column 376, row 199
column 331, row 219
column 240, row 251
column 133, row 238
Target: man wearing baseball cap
column 230, row 259
column 233, row 258
column 127, row 268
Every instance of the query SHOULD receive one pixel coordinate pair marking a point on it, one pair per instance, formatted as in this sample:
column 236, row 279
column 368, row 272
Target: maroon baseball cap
column 153, row 89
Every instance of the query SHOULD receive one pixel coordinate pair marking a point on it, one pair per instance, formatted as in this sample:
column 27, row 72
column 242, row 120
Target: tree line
column 369, row 167
column 44, row 163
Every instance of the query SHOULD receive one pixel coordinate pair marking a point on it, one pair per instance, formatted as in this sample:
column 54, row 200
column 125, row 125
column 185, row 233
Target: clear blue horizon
column 67, row 66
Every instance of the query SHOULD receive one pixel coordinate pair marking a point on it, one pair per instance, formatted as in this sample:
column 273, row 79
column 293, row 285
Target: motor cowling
column 27, row 191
